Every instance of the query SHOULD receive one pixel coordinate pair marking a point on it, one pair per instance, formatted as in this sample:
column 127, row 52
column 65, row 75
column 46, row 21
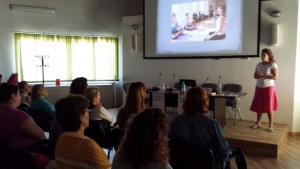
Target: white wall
column 62, row 91
column 232, row 70
column 80, row 17
column 103, row 17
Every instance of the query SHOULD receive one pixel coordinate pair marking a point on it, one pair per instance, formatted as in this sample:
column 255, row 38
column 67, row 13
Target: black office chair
column 24, row 107
column 42, row 120
column 191, row 156
column 212, row 87
column 233, row 102
column 171, row 100
column 194, row 156
column 13, row 157
column 187, row 82
column 101, row 132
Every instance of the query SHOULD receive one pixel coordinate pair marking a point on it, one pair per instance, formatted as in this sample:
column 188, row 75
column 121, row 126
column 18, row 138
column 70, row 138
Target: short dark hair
column 6, row 90
column 78, row 85
column 69, row 110
column 195, row 101
column 21, row 86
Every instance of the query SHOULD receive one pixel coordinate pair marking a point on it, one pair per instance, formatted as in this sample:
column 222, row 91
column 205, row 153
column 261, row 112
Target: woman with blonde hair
column 97, row 111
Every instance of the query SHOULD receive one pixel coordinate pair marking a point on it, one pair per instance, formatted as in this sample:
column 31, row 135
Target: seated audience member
column 145, row 144
column 97, row 111
column 73, row 149
column 17, row 127
column 39, row 102
column 40, row 109
column 194, row 127
column 25, row 90
column 78, row 86
column 135, row 103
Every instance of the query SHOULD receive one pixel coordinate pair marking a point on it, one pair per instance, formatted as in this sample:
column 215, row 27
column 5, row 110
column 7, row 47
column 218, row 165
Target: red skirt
column 264, row 100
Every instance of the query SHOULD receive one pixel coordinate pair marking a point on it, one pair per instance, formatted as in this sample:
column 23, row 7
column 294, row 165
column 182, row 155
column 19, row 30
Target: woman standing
column 264, row 100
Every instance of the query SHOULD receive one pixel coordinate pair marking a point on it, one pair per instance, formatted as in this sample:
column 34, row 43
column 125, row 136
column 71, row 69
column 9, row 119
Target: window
column 65, row 57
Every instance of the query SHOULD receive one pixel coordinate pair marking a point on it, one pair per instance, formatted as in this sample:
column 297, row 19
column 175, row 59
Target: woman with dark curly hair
column 196, row 128
column 145, row 143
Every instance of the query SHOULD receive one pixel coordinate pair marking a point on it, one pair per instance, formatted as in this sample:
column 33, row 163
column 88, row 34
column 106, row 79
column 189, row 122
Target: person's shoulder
column 273, row 64
column 159, row 166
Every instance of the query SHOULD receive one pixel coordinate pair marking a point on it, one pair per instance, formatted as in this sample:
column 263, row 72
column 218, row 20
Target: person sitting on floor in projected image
column 188, row 24
column 176, row 29
column 219, row 32
column 195, row 127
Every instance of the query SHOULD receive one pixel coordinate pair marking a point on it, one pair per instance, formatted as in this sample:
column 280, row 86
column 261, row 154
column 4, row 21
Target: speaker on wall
column 275, row 34
column 134, row 42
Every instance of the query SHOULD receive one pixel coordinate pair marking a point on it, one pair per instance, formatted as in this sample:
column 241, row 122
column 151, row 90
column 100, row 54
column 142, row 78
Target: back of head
column 195, row 101
column 91, row 92
column 69, row 111
column 146, row 136
column 22, row 85
column 135, row 101
column 78, row 85
column 36, row 91
column 6, row 91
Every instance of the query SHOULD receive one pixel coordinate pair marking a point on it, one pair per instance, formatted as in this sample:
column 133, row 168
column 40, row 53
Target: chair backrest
column 41, row 119
column 233, row 87
column 100, row 131
column 177, row 85
column 188, row 82
column 191, row 156
column 212, row 86
column 13, row 157
column 126, row 86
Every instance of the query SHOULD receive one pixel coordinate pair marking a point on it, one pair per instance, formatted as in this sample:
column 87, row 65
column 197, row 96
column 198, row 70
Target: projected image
column 198, row 21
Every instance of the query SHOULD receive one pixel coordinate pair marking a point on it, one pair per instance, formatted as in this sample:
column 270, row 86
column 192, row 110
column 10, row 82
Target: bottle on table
column 220, row 85
column 183, row 88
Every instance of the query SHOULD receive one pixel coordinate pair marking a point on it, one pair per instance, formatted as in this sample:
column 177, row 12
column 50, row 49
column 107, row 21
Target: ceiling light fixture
column 32, row 9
